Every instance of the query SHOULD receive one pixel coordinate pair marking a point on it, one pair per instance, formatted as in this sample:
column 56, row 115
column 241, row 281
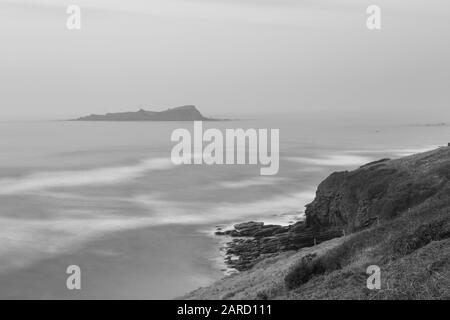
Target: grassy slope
column 412, row 250
column 264, row 280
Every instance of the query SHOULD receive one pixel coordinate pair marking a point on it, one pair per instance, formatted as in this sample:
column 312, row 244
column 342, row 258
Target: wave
column 398, row 152
column 25, row 241
column 102, row 176
column 332, row 160
column 261, row 181
column 355, row 157
column 170, row 212
column 411, row 151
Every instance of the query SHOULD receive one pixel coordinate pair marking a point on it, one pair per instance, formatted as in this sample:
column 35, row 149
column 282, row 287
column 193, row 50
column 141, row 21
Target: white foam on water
column 398, row 152
column 252, row 182
column 332, row 160
column 352, row 158
column 411, row 151
column 101, row 176
column 170, row 212
column 24, row 241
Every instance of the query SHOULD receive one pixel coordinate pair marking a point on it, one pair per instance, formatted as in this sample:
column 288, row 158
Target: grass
column 397, row 246
column 436, row 230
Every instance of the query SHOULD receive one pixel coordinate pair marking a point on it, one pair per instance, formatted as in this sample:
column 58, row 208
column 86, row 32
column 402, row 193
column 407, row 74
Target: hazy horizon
column 309, row 58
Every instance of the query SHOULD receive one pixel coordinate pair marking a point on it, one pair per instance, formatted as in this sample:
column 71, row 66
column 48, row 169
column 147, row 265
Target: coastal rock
column 408, row 244
column 377, row 191
column 346, row 202
column 256, row 240
column 248, row 229
column 251, row 229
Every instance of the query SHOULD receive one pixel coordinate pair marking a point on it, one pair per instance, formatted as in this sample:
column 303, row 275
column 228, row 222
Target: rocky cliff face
column 346, row 202
column 377, row 191
column 412, row 247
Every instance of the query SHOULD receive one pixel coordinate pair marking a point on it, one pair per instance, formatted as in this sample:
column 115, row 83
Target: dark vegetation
column 385, row 245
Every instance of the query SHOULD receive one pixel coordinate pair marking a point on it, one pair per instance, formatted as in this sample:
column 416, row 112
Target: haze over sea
column 105, row 196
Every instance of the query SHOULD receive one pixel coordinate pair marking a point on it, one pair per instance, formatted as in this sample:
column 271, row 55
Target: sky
column 305, row 57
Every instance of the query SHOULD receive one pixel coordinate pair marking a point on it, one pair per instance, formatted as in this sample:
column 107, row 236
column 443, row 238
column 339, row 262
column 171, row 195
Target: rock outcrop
column 346, row 202
column 377, row 191
column 253, row 241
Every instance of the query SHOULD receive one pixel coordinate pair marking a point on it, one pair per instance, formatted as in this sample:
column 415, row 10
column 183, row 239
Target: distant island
column 438, row 124
column 183, row 113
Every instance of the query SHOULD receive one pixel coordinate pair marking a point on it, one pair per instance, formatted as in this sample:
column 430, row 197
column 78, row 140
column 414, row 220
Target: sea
column 105, row 196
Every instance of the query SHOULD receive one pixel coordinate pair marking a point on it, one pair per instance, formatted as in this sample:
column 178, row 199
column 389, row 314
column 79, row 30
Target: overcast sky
column 226, row 57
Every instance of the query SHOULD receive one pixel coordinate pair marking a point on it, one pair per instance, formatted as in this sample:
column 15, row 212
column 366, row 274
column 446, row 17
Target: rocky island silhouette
column 183, row 113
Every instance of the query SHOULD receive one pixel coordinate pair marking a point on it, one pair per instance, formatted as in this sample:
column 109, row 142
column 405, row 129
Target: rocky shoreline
column 254, row 241
column 391, row 213
column 345, row 202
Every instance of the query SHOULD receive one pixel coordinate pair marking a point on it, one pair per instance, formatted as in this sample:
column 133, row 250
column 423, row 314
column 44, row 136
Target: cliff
column 378, row 191
column 183, row 113
column 391, row 213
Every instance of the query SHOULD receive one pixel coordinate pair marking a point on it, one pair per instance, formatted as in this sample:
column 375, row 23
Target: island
column 437, row 124
column 183, row 113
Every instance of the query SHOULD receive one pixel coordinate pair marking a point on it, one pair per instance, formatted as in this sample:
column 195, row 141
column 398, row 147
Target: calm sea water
column 106, row 197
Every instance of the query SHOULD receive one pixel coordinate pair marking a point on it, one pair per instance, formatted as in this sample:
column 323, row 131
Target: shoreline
column 245, row 243
column 389, row 213
column 225, row 241
column 250, row 242
column 263, row 281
